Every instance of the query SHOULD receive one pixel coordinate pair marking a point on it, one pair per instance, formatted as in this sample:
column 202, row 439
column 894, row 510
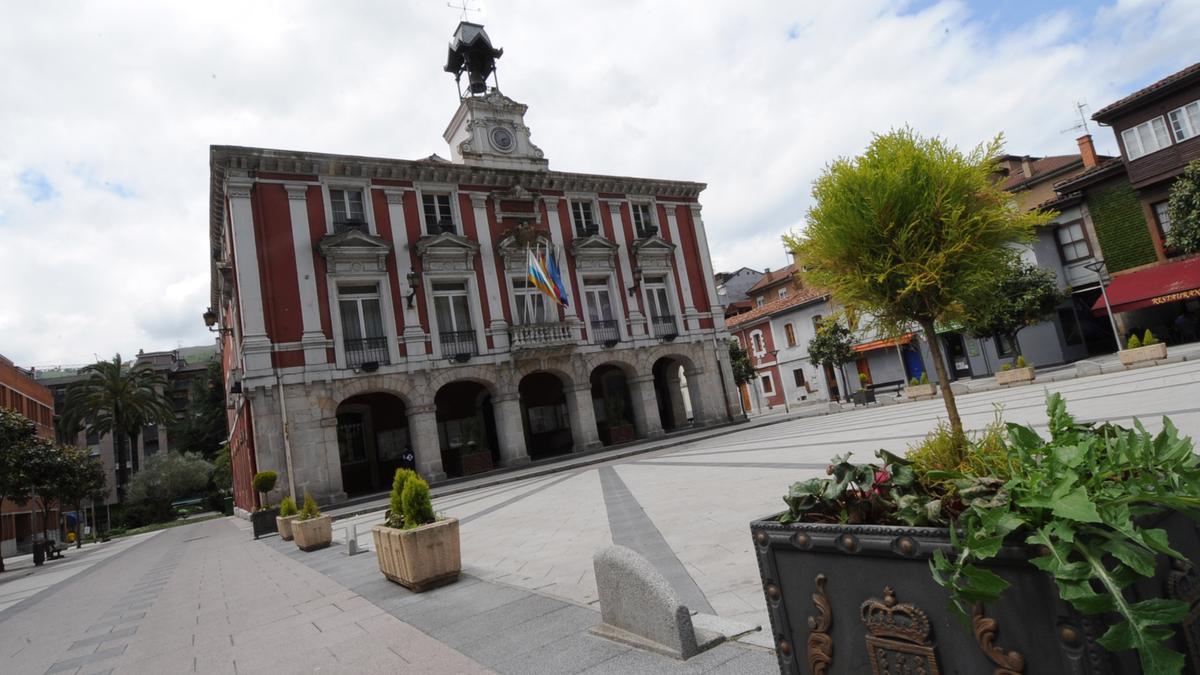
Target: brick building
column 370, row 306
column 20, row 392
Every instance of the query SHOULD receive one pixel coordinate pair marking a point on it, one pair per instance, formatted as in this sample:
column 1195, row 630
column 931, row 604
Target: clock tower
column 488, row 129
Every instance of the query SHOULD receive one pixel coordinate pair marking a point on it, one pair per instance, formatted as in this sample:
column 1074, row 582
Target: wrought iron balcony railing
column 349, row 224
column 647, row 231
column 665, row 327
column 605, row 332
column 459, row 344
column 361, row 351
column 540, row 336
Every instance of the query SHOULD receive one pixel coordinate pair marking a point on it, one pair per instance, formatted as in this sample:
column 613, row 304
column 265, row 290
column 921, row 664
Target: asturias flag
column 556, row 278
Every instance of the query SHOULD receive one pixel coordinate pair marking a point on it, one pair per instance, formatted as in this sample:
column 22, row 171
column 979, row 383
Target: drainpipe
column 287, row 445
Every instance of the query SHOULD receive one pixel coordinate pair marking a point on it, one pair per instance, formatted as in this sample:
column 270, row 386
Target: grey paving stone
column 431, row 616
column 75, row 663
column 104, row 637
column 491, row 622
column 530, row 635
column 572, row 654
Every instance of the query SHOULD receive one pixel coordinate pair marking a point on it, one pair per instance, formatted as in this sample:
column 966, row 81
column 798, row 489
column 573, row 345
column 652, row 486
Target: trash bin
column 228, row 506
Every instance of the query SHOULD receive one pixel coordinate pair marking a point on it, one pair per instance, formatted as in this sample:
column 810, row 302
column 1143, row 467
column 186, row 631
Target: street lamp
column 1097, row 266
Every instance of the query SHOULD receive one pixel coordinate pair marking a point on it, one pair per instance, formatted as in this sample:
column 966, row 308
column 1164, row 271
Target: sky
column 108, row 110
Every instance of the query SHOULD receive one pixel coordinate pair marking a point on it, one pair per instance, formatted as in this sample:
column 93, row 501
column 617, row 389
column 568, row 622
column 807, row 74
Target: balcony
column 553, row 335
column 587, row 230
column 664, row 327
column 443, row 226
column 362, row 352
column 647, row 231
column 605, row 332
column 459, row 345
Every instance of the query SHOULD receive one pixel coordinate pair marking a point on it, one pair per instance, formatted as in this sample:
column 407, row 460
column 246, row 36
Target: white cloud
column 115, row 104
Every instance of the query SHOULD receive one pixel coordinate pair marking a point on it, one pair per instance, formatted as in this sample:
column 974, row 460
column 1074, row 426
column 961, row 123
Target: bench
column 893, row 386
column 54, row 550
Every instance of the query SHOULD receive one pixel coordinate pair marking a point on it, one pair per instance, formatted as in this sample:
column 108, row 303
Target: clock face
column 502, row 139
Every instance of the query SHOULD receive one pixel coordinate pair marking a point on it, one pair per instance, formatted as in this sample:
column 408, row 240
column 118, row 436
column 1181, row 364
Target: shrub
column 395, row 513
column 418, row 507
column 164, row 478
column 912, row 382
column 986, row 456
column 287, row 507
column 310, row 509
column 1021, row 363
column 1006, row 367
column 862, row 379
column 264, row 481
column 924, row 377
column 1149, row 339
column 1133, row 343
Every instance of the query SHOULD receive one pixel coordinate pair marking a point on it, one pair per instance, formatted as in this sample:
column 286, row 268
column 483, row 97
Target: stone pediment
column 594, row 252
column 653, row 252
column 353, row 250
column 447, row 252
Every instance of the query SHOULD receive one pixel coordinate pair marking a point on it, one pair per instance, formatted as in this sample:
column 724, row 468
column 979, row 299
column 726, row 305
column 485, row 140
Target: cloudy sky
column 109, row 109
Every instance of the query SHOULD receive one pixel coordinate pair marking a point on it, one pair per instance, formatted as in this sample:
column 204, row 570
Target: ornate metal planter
column 264, row 521
column 860, row 599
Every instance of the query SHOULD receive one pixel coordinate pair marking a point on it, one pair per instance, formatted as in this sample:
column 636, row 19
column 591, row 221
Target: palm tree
column 116, row 399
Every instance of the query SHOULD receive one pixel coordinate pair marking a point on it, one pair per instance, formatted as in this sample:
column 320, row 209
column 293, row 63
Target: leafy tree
column 912, row 231
column 204, row 426
column 1184, row 210
column 833, row 345
column 743, row 369
column 165, row 478
column 1024, row 295
column 119, row 400
column 222, row 476
column 83, row 478
column 17, row 433
column 46, row 463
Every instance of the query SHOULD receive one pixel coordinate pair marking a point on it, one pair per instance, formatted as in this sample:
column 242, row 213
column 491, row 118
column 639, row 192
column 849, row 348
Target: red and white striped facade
column 337, row 288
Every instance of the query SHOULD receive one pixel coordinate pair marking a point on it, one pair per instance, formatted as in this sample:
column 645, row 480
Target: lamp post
column 1097, row 266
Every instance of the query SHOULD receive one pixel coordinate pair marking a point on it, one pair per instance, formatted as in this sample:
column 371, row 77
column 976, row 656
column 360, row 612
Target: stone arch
column 546, row 399
column 678, row 405
column 465, row 415
column 373, row 440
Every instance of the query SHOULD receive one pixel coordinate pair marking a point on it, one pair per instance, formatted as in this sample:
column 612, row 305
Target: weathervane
column 465, row 8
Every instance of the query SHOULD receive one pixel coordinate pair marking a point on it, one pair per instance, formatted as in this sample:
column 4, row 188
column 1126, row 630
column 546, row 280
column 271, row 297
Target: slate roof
column 1111, row 110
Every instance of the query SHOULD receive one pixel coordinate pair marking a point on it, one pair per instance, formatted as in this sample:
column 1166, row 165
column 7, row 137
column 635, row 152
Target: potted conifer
column 310, row 529
column 1149, row 348
column 287, row 513
column 415, row 548
column 263, row 519
column 1018, row 372
column 920, row 389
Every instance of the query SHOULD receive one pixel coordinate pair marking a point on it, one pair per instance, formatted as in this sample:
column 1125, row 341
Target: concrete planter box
column 313, row 533
column 284, row 525
column 921, row 391
column 858, row 598
column 1015, row 376
column 422, row 558
column 263, row 521
column 1155, row 352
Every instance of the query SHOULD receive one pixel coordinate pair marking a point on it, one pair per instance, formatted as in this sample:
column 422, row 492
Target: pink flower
column 881, row 476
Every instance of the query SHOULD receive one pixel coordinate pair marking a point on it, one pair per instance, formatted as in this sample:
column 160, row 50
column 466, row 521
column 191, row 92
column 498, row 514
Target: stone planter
column 422, row 558
column 284, row 525
column 918, row 392
column 1155, row 352
column 313, row 533
column 860, row 599
column 263, row 521
column 1015, row 376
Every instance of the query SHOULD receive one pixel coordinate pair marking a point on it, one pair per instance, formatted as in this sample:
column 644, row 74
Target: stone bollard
column 638, row 607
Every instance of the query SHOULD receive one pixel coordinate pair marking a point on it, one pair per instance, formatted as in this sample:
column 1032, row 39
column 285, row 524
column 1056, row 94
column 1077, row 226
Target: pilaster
column 414, row 336
column 690, row 315
column 637, row 320
column 312, row 338
column 256, row 346
column 497, row 326
column 710, row 285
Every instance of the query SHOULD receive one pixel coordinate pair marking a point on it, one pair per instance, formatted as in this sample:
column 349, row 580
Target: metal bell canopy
column 471, row 51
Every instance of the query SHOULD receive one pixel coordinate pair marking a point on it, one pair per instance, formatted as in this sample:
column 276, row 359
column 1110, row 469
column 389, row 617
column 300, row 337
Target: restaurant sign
column 1176, row 297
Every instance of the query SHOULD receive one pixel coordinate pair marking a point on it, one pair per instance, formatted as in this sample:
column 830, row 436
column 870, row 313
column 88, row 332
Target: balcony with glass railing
column 360, row 351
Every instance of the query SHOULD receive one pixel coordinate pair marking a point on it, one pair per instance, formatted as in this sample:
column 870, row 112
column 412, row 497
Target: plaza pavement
column 686, row 507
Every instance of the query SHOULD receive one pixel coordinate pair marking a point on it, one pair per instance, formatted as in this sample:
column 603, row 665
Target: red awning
column 880, row 344
column 1156, row 285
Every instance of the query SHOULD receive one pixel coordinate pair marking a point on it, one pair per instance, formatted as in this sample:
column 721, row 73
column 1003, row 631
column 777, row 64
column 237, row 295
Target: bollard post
column 352, row 538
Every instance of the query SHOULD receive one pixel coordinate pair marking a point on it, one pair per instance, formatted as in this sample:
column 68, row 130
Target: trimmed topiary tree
column 264, row 482
column 416, row 503
column 395, row 513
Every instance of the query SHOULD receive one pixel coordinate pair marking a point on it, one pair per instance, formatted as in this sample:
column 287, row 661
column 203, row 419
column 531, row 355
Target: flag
column 539, row 277
column 556, row 278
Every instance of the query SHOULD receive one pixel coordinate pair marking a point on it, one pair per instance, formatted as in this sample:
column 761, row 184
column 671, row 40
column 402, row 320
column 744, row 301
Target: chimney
column 1025, row 167
column 1087, row 150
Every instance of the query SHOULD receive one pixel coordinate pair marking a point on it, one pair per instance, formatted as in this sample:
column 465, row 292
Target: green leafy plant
column 1133, row 342
column 739, row 361
column 924, row 377
column 1022, row 295
column 1084, row 497
column 287, row 507
column 1184, row 209
column 1149, row 339
column 310, row 510
column 395, row 513
column 1006, row 367
column 416, row 503
column 912, row 382
column 1021, row 362
column 264, row 482
column 863, row 379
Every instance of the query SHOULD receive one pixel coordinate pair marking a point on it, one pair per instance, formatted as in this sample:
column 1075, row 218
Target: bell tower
column 488, row 129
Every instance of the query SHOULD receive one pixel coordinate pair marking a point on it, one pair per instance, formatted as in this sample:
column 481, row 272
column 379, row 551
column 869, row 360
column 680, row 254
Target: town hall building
column 375, row 310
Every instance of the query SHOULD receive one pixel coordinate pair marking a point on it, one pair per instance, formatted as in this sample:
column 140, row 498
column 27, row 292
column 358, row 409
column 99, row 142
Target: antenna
column 1082, row 124
column 464, row 8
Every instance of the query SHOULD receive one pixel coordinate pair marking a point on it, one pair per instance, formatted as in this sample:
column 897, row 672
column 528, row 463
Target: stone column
column 675, row 394
column 645, row 407
column 510, row 430
column 427, row 446
column 582, row 416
